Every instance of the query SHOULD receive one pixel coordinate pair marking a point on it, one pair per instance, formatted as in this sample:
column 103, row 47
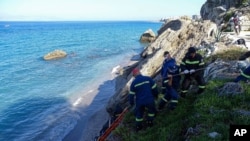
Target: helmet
column 191, row 50
column 135, row 71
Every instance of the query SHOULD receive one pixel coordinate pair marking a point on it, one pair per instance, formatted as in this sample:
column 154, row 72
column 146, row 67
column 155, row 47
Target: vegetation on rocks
column 226, row 55
column 196, row 116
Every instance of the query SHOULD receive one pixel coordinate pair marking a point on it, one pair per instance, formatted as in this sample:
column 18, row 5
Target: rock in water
column 56, row 54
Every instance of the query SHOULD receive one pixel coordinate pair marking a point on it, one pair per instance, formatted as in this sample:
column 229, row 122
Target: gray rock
column 213, row 135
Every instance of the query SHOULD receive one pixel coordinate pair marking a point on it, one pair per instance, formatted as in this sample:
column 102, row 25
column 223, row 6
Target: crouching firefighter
column 192, row 66
column 244, row 76
column 170, row 82
column 144, row 89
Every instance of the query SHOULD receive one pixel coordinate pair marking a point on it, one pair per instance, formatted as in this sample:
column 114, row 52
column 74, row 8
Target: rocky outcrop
column 218, row 10
column 220, row 69
column 56, row 54
column 176, row 36
column 148, row 36
column 212, row 9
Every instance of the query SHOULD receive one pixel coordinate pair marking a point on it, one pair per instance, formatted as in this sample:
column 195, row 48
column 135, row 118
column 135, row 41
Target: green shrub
column 206, row 112
column 228, row 15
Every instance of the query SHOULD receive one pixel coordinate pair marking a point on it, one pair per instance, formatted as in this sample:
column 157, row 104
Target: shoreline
column 87, row 128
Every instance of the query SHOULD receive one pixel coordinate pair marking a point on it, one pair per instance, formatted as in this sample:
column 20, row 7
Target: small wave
column 116, row 69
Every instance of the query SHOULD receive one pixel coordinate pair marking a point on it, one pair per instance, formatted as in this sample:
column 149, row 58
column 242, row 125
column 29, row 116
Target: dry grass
column 231, row 53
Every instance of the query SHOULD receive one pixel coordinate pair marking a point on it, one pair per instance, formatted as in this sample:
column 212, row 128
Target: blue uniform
column 144, row 89
column 169, row 67
column 244, row 76
column 166, row 65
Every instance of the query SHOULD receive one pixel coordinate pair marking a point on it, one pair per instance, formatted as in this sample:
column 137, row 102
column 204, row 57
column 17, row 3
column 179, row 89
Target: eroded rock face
column 212, row 9
column 215, row 10
column 224, row 69
column 56, row 54
column 176, row 36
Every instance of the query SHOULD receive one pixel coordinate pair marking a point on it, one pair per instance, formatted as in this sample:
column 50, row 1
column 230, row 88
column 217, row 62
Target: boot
column 161, row 105
column 200, row 91
column 183, row 95
column 138, row 128
column 149, row 123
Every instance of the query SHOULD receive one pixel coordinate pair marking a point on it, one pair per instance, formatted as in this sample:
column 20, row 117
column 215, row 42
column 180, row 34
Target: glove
column 185, row 71
column 192, row 71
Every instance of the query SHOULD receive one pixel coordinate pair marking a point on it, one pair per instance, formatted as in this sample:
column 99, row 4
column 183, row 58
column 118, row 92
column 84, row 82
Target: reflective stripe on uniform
column 202, row 63
column 130, row 92
column 154, row 86
column 202, row 87
column 192, row 62
column 142, row 83
column 184, row 91
column 164, row 99
column 151, row 115
column 138, row 119
column 166, row 81
column 183, row 63
column 243, row 74
column 174, row 101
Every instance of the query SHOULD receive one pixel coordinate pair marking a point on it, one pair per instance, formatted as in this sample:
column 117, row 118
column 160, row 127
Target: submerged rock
column 56, row 54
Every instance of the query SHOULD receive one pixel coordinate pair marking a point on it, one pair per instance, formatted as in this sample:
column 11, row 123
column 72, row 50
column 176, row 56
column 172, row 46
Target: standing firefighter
column 145, row 90
column 170, row 82
column 192, row 66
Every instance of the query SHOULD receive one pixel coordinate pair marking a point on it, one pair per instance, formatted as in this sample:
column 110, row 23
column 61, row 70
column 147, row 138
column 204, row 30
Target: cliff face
column 215, row 10
column 176, row 36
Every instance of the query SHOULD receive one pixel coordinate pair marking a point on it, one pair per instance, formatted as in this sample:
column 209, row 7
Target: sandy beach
column 88, row 129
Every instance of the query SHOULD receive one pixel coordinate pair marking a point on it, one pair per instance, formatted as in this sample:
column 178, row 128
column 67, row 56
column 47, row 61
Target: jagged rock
column 230, row 89
column 193, row 131
column 214, row 135
column 56, row 54
column 224, row 69
column 213, row 9
column 148, row 36
column 243, row 112
column 217, row 10
column 178, row 36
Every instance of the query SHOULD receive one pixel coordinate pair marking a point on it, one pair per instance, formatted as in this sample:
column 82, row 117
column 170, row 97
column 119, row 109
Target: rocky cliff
column 219, row 10
column 175, row 36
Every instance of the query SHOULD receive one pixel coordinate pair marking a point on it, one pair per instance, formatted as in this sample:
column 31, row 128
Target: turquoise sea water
column 43, row 100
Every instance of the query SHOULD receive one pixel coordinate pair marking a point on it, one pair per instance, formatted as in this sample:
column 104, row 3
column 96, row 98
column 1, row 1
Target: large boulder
column 148, row 36
column 56, row 54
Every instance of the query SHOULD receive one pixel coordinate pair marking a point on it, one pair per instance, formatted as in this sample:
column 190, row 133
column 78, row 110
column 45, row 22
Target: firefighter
column 170, row 82
column 192, row 66
column 144, row 89
column 244, row 76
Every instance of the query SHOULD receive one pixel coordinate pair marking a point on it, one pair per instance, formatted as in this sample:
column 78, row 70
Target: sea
column 43, row 100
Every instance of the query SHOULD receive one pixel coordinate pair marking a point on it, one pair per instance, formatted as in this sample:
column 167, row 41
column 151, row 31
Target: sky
column 97, row 10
